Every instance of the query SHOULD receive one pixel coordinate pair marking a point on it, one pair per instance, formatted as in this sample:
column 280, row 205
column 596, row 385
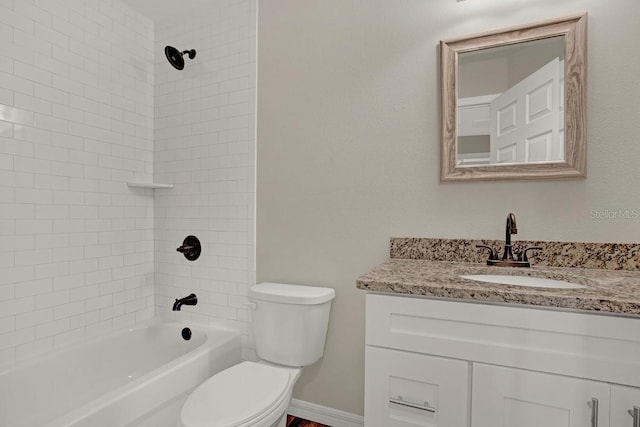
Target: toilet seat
column 243, row 395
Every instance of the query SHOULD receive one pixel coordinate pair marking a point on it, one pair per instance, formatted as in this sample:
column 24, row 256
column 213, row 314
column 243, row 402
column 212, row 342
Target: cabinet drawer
column 504, row 397
column 567, row 343
column 405, row 389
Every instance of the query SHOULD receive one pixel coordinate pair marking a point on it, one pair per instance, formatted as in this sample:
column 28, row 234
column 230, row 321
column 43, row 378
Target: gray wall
column 493, row 71
column 348, row 149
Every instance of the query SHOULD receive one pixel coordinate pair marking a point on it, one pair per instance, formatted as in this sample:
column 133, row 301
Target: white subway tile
column 51, row 123
column 7, row 355
column 16, row 19
column 63, row 83
column 7, row 226
column 99, row 123
column 32, row 73
column 69, row 337
column 44, row 32
column 15, row 307
column 45, row 62
column 7, row 292
column 55, row 7
column 16, row 115
column 68, row 113
column 16, row 338
column 6, row 96
column 66, row 225
column 23, row 258
column 52, row 328
column 112, row 312
column 98, row 277
column 99, row 327
column 83, row 266
column 51, row 241
column 65, row 27
column 99, row 302
column 50, row 182
column 68, row 309
column 84, row 293
column 68, row 282
column 51, row 270
column 34, row 318
column 31, row 103
column 71, row 198
column 84, row 319
column 16, row 83
column 68, row 254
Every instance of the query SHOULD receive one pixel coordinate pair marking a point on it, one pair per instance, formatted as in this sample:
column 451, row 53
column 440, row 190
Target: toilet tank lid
column 291, row 294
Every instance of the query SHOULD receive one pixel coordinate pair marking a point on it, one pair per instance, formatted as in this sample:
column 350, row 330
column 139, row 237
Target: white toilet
column 290, row 327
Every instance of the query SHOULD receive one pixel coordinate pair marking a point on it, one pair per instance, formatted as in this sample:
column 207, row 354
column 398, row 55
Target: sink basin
column 535, row 282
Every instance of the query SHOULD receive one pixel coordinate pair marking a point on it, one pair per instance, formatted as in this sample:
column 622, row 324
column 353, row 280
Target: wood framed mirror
column 514, row 103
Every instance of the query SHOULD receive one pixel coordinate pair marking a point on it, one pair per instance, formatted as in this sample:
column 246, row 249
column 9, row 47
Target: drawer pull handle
column 635, row 413
column 422, row 407
column 593, row 404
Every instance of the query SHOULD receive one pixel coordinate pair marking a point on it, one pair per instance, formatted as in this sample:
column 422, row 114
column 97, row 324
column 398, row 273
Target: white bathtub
column 138, row 377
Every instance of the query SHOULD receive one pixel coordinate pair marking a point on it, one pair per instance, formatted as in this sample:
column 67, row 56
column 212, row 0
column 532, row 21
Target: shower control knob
column 190, row 248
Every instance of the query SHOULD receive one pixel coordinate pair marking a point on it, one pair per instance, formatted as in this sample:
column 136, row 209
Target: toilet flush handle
column 252, row 305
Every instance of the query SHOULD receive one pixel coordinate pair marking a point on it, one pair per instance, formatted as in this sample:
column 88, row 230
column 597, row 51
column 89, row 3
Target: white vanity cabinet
column 483, row 365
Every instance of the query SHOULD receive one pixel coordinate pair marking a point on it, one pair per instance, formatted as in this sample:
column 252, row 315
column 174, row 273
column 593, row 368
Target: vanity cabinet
column 483, row 365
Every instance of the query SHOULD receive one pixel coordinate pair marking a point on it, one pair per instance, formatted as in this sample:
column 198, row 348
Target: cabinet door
column 405, row 389
column 624, row 399
column 505, row 397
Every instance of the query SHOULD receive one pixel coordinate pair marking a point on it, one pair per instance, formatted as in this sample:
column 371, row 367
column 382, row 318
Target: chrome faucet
column 508, row 260
column 190, row 299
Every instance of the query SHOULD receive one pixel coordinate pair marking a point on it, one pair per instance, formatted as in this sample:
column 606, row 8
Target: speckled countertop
column 615, row 291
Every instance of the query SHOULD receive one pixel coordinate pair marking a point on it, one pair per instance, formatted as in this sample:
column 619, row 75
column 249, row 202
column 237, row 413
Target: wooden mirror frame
column 574, row 29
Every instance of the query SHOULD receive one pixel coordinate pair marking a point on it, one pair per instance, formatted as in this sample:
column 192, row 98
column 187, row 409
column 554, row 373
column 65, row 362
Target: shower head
column 176, row 58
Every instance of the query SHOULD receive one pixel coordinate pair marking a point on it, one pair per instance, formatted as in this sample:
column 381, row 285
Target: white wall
column 76, row 123
column 348, row 149
column 205, row 146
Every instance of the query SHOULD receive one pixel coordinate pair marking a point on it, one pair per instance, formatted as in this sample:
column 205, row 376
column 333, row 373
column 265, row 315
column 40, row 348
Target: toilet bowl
column 247, row 394
column 289, row 324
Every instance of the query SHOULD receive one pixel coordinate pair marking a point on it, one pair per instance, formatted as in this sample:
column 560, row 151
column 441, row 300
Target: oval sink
column 535, row 282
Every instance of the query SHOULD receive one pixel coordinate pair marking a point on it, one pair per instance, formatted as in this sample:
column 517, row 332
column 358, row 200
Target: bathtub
column 137, row 377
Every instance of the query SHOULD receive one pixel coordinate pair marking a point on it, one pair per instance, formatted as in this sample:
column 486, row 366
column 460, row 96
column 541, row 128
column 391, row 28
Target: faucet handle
column 532, row 248
column 518, row 254
column 493, row 254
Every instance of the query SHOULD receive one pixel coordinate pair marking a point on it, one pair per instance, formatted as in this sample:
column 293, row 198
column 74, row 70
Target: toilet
column 289, row 324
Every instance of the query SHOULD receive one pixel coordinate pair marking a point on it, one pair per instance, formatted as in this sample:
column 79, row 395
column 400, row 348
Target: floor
column 299, row 422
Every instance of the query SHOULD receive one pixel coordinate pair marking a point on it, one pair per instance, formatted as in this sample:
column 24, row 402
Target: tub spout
column 190, row 299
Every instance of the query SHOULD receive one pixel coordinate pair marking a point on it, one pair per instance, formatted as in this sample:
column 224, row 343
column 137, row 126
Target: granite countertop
column 607, row 291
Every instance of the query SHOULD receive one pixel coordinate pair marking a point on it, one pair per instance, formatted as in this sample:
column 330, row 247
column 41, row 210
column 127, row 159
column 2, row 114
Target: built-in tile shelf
column 152, row 185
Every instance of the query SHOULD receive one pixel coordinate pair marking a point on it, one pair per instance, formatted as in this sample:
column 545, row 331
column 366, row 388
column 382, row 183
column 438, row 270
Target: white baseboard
column 322, row 414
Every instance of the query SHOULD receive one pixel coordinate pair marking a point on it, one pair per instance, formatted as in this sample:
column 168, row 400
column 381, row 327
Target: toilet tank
column 290, row 322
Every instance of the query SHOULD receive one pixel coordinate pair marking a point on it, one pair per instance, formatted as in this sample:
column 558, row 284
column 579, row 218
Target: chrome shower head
column 176, row 58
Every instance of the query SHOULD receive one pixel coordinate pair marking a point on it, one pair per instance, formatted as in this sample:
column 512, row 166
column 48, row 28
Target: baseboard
column 322, row 414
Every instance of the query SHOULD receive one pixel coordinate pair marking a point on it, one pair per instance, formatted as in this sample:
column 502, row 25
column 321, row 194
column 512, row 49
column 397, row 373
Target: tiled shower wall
column 205, row 146
column 76, row 123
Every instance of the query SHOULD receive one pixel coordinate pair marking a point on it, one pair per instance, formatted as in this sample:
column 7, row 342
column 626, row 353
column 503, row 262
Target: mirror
column 514, row 103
